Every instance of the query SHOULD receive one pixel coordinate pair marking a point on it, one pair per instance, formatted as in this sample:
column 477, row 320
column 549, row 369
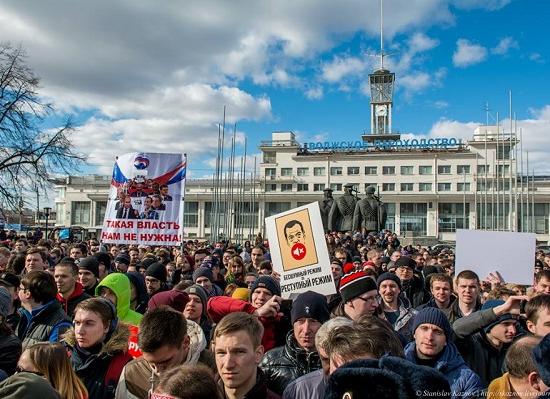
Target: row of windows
column 386, row 170
column 388, row 187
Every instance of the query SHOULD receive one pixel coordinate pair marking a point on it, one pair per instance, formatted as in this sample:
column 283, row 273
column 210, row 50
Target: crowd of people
column 206, row 320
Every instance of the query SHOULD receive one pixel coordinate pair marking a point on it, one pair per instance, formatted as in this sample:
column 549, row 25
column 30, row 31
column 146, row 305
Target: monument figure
column 370, row 213
column 340, row 217
column 325, row 205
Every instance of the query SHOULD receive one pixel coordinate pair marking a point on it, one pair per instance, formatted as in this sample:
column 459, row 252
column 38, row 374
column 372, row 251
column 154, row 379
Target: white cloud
column 419, row 42
column 419, row 81
column 315, row 93
column 491, row 5
column 468, row 53
column 536, row 57
column 504, row 45
column 342, row 67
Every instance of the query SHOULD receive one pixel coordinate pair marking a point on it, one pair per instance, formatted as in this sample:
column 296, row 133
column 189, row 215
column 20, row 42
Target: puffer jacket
column 45, row 323
column 120, row 285
column 405, row 320
column 92, row 368
column 462, row 380
column 284, row 364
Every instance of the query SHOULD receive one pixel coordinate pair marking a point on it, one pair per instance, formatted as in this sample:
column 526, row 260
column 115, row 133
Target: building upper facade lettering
column 442, row 143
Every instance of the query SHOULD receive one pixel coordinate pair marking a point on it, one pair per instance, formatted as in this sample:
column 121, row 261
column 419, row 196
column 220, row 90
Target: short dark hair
column 189, row 381
column 259, row 247
column 467, row 275
column 240, row 321
column 41, row 285
column 71, row 265
column 519, row 359
column 43, row 255
column 535, row 305
column 292, row 223
column 172, row 333
column 542, row 274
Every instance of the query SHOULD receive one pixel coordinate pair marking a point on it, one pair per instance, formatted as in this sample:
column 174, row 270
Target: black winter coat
column 415, row 292
column 92, row 368
column 10, row 350
column 284, row 364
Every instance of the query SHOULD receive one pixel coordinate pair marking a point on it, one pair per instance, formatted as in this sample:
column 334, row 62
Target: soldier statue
column 370, row 213
column 340, row 217
column 325, row 204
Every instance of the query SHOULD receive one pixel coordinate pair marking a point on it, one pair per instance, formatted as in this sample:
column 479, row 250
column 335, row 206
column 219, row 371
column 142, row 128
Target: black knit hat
column 158, row 271
column 123, row 258
column 433, row 316
column 146, row 262
column 405, row 261
column 203, row 272
column 354, row 284
column 310, row 305
column 103, row 257
column 91, row 264
column 388, row 276
column 269, row 283
column 541, row 355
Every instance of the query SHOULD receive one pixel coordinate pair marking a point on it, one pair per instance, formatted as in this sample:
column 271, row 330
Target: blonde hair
column 52, row 360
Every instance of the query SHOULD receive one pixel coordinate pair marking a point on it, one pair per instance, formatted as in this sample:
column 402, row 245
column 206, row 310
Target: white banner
column 146, row 200
column 484, row 252
column 299, row 251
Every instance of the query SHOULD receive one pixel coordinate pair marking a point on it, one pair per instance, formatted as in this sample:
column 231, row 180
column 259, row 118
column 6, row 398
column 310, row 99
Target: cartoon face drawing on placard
column 296, row 241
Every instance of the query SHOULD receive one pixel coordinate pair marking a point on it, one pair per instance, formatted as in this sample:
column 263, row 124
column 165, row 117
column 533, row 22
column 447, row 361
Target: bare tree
column 29, row 152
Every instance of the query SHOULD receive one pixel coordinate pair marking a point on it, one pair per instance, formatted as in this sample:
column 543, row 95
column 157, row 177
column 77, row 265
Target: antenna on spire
column 381, row 35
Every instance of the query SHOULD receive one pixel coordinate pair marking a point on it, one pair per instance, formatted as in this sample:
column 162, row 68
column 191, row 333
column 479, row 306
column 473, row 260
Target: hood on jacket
column 138, row 281
column 120, row 285
column 197, row 342
column 117, row 343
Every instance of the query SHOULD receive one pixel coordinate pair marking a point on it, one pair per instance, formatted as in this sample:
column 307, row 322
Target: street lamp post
column 47, row 214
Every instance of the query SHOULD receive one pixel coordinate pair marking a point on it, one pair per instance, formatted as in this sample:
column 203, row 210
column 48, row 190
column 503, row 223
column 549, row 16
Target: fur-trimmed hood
column 117, row 343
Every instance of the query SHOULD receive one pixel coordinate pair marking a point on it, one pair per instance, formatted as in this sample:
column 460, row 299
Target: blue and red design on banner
column 146, row 200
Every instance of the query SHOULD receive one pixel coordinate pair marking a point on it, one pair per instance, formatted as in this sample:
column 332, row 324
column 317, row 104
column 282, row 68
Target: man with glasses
column 359, row 296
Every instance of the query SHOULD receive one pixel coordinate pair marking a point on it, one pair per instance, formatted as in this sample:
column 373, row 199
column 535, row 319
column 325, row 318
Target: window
column 270, row 173
column 270, row 187
column 303, row 171
column 444, row 169
column 388, row 186
column 484, row 185
column 388, row 170
column 407, row 186
column 100, row 208
column 353, row 170
column 481, row 169
column 336, row 171
column 302, row 187
column 319, row 171
column 425, row 169
column 503, row 170
column 371, row 170
column 286, row 187
column 286, row 172
column 443, row 186
column 413, row 218
column 273, row 208
column 424, row 186
column 463, row 169
column 336, row 186
column 463, row 187
column 270, row 157
column 453, row 216
column 190, row 214
column 80, row 212
column 407, row 170
column 318, row 186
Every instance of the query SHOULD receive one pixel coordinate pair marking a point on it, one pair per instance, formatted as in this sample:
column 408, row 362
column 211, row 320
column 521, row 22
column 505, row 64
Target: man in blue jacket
column 432, row 347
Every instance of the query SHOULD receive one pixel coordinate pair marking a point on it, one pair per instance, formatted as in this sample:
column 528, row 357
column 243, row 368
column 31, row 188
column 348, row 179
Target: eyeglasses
column 370, row 298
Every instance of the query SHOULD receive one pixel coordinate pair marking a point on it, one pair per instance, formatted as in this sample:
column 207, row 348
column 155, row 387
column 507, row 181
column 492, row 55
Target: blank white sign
column 511, row 254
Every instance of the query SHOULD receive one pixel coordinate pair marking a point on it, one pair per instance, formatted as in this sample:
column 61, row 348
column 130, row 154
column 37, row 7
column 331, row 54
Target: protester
column 88, row 274
column 187, row 382
column 359, row 296
column 42, row 318
column 441, row 288
column 166, row 340
column 412, row 286
column 238, row 352
column 98, row 347
column 204, row 277
column 521, row 378
column 432, row 347
column 484, row 336
column 467, row 289
column 70, row 291
column 542, row 282
column 36, row 259
column 51, row 361
column 116, row 288
column 195, row 309
column 299, row 356
column 541, row 355
column 537, row 314
column 27, row 385
column 10, row 345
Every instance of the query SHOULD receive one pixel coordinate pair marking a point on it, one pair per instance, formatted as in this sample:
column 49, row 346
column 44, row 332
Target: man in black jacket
column 412, row 286
column 299, row 356
column 484, row 336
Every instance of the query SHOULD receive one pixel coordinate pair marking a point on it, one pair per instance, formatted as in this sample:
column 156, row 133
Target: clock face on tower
column 381, row 110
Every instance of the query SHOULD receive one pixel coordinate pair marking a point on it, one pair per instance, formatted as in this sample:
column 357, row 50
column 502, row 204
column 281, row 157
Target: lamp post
column 47, row 214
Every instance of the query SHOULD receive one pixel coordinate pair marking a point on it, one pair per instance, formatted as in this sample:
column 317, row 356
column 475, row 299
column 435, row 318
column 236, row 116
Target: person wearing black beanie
column 88, row 274
column 412, row 285
column 104, row 264
column 155, row 278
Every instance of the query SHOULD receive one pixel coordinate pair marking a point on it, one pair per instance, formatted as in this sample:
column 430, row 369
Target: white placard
column 299, row 251
column 511, row 254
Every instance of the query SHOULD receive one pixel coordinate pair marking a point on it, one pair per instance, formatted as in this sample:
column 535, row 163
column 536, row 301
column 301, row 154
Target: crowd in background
column 206, row 320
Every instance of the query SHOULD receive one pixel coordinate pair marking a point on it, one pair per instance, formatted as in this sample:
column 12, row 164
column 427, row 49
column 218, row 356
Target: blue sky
column 154, row 76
